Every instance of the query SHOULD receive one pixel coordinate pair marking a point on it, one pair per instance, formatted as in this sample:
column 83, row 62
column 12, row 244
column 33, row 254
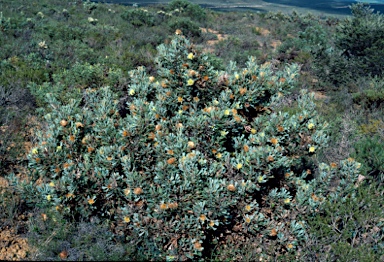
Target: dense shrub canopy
column 194, row 154
column 361, row 40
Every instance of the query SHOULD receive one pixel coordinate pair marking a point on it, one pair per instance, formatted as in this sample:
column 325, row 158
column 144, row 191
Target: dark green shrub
column 15, row 105
column 186, row 8
column 5, row 22
column 361, row 40
column 83, row 241
column 348, row 230
column 370, row 93
column 70, row 84
column 139, row 17
column 186, row 25
column 369, row 151
column 238, row 50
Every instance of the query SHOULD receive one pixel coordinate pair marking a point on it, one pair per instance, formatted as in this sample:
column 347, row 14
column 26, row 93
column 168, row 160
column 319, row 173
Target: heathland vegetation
column 173, row 132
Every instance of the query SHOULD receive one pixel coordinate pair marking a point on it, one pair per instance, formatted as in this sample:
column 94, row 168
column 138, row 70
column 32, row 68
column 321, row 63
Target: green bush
column 370, row 93
column 197, row 152
column 58, row 239
column 361, row 40
column 348, row 228
column 185, row 8
column 139, row 17
column 186, row 25
column 15, row 105
column 369, row 151
column 70, row 84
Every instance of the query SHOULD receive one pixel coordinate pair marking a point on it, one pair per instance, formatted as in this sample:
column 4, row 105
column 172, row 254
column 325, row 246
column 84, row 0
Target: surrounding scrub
column 144, row 142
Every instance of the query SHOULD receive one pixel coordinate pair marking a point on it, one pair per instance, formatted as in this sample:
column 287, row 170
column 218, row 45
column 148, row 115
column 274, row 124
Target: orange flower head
column 237, row 118
column 90, row 149
column 192, row 72
column 197, row 245
column 125, row 133
column 170, row 152
column 63, row 254
column 231, row 187
column 151, row 135
column 270, row 159
column 69, row 195
column 274, row 141
column 173, row 205
column 171, row 161
column 138, row 191
column 314, row 197
column 63, row 122
column 242, row 91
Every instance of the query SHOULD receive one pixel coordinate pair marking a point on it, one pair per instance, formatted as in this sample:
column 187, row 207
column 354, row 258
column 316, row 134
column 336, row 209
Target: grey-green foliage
column 192, row 155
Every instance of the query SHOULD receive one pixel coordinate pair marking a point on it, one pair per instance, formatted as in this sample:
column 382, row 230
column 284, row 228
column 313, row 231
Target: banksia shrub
column 197, row 158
